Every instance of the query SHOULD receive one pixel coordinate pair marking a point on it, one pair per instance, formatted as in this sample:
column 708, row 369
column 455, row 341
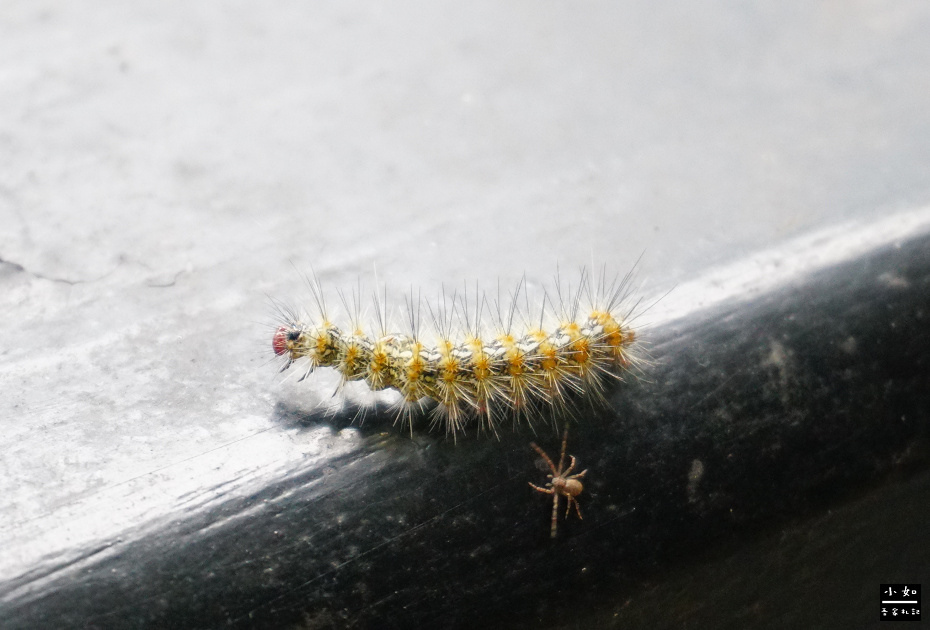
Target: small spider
column 561, row 484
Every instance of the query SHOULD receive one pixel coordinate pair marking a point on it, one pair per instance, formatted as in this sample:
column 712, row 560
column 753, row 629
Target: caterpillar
column 521, row 366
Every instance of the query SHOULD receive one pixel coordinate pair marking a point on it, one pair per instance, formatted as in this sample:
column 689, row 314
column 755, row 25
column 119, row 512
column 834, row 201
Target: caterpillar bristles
column 527, row 367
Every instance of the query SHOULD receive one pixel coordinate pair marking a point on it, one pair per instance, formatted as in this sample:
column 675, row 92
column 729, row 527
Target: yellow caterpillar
column 469, row 369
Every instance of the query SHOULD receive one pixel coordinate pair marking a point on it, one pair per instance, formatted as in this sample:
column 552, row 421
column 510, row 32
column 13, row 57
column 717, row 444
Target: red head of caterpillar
column 280, row 339
column 471, row 369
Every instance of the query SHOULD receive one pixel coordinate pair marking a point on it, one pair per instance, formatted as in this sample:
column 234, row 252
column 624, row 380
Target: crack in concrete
column 36, row 274
column 164, row 285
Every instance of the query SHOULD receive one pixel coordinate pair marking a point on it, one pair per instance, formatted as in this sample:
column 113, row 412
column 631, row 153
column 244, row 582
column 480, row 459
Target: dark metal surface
column 760, row 412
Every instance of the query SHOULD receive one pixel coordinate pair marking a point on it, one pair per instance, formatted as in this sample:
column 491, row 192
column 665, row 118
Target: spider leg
column 568, row 508
column 570, row 467
column 542, row 454
column 564, row 446
column 555, row 513
column 579, row 475
column 546, row 490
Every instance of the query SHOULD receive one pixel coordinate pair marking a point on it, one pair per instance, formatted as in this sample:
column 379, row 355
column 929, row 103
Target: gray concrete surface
column 166, row 166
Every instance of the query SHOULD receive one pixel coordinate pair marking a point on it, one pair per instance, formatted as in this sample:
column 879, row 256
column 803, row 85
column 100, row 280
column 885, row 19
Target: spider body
column 561, row 483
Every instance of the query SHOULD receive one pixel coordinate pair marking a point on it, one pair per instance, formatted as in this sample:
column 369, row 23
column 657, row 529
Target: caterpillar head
column 284, row 339
column 320, row 344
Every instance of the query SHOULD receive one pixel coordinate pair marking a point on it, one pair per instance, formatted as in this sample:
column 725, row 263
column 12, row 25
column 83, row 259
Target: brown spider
column 561, row 484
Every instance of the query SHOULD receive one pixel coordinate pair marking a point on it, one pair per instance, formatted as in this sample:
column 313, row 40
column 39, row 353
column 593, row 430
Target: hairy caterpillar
column 467, row 368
